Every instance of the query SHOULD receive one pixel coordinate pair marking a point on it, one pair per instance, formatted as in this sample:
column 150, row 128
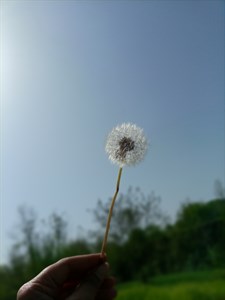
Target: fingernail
column 103, row 269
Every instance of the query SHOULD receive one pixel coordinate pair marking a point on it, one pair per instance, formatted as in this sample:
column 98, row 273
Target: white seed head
column 126, row 145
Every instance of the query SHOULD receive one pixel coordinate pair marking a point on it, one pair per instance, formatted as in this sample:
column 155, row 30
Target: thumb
column 88, row 289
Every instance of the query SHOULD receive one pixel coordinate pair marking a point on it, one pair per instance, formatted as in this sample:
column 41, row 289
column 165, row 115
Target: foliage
column 199, row 235
column 143, row 245
column 34, row 250
column 132, row 210
column 195, row 241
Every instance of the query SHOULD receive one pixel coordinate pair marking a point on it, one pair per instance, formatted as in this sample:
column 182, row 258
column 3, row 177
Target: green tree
column 131, row 211
column 199, row 235
column 37, row 245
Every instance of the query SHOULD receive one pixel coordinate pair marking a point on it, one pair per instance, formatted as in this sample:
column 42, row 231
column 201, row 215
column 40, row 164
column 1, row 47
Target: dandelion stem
column 110, row 212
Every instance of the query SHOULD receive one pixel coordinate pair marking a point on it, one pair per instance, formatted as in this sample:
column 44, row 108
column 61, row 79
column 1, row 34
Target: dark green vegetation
column 144, row 247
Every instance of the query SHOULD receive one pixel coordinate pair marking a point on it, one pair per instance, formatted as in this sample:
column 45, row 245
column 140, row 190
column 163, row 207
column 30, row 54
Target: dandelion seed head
column 126, row 145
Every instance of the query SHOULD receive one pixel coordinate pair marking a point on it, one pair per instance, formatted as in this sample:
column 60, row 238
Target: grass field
column 208, row 285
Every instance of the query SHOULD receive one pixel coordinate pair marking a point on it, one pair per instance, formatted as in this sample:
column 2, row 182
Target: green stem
column 110, row 212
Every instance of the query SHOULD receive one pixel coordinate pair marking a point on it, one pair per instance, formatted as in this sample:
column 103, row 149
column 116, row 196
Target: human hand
column 83, row 277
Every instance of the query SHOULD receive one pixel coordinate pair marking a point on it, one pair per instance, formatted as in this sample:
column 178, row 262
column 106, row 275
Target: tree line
column 143, row 242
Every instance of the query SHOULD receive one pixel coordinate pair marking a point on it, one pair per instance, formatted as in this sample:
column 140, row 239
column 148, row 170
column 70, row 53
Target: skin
column 83, row 277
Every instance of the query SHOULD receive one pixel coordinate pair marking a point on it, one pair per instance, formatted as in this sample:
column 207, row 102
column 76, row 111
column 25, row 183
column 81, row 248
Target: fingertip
column 103, row 270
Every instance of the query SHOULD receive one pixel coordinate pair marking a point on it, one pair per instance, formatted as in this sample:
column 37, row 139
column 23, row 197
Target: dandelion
column 126, row 145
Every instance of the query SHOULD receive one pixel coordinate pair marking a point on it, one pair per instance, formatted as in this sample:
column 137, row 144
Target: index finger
column 75, row 266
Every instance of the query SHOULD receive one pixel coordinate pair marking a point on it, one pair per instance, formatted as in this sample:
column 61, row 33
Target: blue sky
column 72, row 70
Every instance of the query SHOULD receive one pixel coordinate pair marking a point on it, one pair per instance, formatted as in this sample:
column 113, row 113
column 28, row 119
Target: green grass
column 185, row 286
